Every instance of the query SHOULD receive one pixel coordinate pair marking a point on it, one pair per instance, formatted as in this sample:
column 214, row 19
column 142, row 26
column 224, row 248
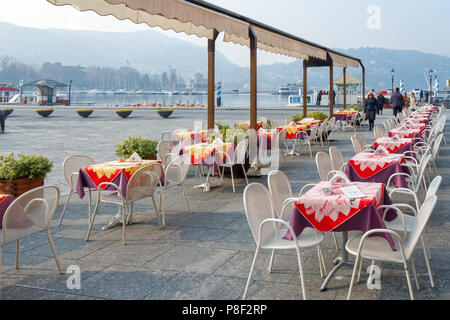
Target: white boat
column 296, row 101
column 290, row 89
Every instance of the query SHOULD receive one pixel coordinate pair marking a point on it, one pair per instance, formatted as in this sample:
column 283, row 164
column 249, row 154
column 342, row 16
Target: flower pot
column 19, row 186
column 8, row 111
column 85, row 113
column 165, row 113
column 123, row 113
column 149, row 158
column 44, row 113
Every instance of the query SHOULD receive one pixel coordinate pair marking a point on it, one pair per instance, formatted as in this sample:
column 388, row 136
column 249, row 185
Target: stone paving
column 205, row 254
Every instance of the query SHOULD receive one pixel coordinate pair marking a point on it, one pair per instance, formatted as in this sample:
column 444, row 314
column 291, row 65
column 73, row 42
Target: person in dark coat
column 2, row 121
column 397, row 101
column 319, row 98
column 426, row 96
column 421, row 95
column 371, row 109
column 380, row 104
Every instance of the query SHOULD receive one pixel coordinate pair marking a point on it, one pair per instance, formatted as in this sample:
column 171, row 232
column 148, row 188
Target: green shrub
column 34, row 166
column 354, row 107
column 228, row 134
column 142, row 146
column 297, row 117
column 318, row 115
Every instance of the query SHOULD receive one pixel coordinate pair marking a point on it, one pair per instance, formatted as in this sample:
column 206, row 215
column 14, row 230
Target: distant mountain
column 152, row 52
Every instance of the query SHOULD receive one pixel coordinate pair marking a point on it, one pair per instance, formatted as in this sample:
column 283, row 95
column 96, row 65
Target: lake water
column 265, row 100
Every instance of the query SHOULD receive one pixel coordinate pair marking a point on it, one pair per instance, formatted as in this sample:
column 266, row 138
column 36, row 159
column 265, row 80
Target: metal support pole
column 305, row 88
column 345, row 87
column 330, row 91
column 363, row 85
column 253, row 78
column 211, row 79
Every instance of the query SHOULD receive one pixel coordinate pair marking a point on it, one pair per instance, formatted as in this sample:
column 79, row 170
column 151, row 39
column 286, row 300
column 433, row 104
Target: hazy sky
column 399, row 24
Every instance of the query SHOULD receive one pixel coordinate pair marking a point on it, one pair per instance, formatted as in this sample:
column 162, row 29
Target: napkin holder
column 339, row 179
column 395, row 138
column 381, row 150
column 134, row 157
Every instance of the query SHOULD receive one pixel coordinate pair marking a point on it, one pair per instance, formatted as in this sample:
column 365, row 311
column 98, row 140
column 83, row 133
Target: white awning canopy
column 201, row 19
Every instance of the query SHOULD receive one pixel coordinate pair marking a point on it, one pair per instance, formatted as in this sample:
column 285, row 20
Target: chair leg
column 91, row 223
column 336, row 244
column 232, row 178
column 52, row 246
column 427, row 262
column 359, row 271
column 320, row 262
column 123, row 223
column 309, row 145
column 130, row 216
column 408, row 279
column 65, row 207
column 186, row 197
column 353, row 277
column 272, row 256
column 415, row 273
column 251, row 272
column 323, row 260
column 245, row 174
column 156, row 211
column 17, row 253
column 300, row 269
column 162, row 211
column 90, row 202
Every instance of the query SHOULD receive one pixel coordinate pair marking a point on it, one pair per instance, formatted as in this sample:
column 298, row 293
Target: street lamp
column 392, row 72
column 70, row 89
column 431, row 79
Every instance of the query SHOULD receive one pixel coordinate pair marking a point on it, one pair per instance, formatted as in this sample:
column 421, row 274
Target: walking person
column 426, row 96
column 420, row 95
column 407, row 101
column 413, row 101
column 397, row 101
column 319, row 98
column 380, row 104
column 2, row 121
column 371, row 109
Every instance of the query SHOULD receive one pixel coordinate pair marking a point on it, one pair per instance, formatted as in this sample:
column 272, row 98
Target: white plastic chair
column 174, row 176
column 337, row 160
column 238, row 158
column 142, row 184
column 378, row 132
column 29, row 213
column 307, row 140
column 166, row 151
column 321, row 135
column 366, row 147
column 167, row 136
column 71, row 167
column 282, row 200
column 378, row 249
column 268, row 231
column 324, row 167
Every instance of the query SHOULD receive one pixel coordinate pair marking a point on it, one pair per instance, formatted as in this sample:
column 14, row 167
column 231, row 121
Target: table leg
column 344, row 262
column 206, row 185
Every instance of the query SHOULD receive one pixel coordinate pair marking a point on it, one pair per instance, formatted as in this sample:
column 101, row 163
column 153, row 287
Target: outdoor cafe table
column 309, row 122
column 408, row 133
column 343, row 115
column 5, row 201
column 197, row 135
column 245, row 125
column 372, row 167
column 294, row 131
column 265, row 138
column 335, row 212
column 204, row 154
column 399, row 146
column 117, row 172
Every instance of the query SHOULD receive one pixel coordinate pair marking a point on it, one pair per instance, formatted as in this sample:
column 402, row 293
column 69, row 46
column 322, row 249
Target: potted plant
column 18, row 175
column 44, row 112
column 123, row 113
column 386, row 103
column 146, row 148
column 318, row 115
column 7, row 111
column 85, row 112
column 165, row 113
column 297, row 117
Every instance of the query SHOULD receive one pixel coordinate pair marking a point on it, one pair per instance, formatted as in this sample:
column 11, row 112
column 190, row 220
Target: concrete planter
column 123, row 113
column 44, row 113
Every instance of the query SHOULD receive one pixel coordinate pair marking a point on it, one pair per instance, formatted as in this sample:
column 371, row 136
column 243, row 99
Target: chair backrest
column 361, row 139
column 164, row 148
column 73, row 164
column 177, row 169
column 379, row 132
column 436, row 146
column 258, row 207
column 331, row 123
column 313, row 135
column 186, row 141
column 280, row 189
column 337, row 160
column 240, row 151
column 167, row 136
column 434, row 186
column 144, row 182
column 281, row 136
column 322, row 128
column 323, row 163
column 421, row 171
column 423, row 216
column 356, row 146
column 29, row 213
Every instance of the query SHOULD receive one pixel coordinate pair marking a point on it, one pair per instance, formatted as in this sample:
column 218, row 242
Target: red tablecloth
column 394, row 146
column 5, row 201
column 111, row 171
column 335, row 212
column 370, row 167
column 408, row 133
